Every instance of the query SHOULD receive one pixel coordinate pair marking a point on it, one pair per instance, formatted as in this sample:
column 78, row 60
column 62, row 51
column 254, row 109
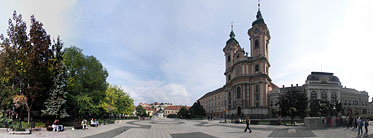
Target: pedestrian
column 355, row 123
column 366, row 124
column 360, row 129
column 208, row 118
column 247, row 124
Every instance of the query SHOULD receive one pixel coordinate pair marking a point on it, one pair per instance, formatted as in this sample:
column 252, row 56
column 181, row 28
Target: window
column 256, row 43
column 229, row 58
column 238, row 92
column 313, row 95
column 271, row 103
column 229, row 77
column 256, row 68
column 238, row 56
column 334, row 97
column 256, row 104
column 323, row 96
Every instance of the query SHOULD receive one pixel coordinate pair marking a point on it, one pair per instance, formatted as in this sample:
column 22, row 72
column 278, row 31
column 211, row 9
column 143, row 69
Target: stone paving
column 178, row 128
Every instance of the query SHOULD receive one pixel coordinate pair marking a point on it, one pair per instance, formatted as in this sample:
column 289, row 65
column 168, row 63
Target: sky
column 172, row 50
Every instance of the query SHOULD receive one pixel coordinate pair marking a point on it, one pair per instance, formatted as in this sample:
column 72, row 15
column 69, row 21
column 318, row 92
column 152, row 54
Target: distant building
column 173, row 109
column 214, row 103
column 326, row 87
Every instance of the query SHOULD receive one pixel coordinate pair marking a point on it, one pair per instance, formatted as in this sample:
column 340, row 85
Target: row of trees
column 37, row 74
column 295, row 103
column 196, row 111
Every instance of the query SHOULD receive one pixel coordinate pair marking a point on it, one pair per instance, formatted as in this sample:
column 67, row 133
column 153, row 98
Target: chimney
column 283, row 86
column 297, row 85
column 291, row 85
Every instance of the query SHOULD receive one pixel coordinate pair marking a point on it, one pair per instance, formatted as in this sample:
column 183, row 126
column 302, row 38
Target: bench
column 77, row 125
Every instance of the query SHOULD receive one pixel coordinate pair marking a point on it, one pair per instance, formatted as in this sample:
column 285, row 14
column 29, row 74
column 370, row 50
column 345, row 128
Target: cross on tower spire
column 258, row 5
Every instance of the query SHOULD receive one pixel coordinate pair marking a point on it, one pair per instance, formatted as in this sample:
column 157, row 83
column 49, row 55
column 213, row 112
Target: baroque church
column 247, row 77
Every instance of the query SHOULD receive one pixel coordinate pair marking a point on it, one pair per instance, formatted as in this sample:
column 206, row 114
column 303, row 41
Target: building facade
column 214, row 103
column 247, row 77
column 326, row 87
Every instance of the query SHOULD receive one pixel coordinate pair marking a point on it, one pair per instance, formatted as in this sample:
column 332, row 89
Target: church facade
column 247, row 76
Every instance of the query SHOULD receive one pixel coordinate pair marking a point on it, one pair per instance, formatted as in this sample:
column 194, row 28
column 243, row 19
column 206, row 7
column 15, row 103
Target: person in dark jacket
column 247, row 124
column 366, row 124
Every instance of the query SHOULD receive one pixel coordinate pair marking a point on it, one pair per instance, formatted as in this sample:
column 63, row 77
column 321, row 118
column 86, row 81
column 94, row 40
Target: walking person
column 247, row 124
column 366, row 124
column 355, row 123
column 360, row 125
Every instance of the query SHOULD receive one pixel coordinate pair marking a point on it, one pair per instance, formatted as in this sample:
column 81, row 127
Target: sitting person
column 56, row 125
column 93, row 123
column 84, row 124
column 96, row 122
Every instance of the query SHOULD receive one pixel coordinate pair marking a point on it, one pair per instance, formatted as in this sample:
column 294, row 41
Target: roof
column 149, row 109
column 323, row 77
column 173, row 107
column 232, row 39
column 212, row 93
column 259, row 19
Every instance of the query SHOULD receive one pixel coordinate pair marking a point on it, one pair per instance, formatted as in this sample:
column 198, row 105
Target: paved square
column 192, row 135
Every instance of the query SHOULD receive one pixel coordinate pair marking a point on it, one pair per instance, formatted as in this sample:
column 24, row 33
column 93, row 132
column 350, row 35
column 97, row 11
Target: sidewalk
column 68, row 132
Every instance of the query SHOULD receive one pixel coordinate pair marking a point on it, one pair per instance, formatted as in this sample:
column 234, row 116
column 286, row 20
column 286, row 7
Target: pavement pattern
column 179, row 128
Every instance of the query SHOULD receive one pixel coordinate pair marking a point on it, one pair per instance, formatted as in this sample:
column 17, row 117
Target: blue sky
column 171, row 51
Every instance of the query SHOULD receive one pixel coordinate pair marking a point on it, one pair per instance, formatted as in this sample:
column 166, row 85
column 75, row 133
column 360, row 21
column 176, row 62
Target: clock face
column 256, row 31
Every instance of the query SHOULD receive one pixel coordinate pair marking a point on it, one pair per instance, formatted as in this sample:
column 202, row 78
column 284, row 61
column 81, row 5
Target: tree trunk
column 28, row 113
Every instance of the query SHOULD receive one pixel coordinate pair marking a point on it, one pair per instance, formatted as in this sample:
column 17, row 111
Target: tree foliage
column 315, row 108
column 293, row 103
column 26, row 62
column 86, row 83
column 197, row 110
column 183, row 112
column 140, row 111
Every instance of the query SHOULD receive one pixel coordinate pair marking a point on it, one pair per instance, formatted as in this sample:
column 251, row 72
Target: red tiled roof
column 172, row 107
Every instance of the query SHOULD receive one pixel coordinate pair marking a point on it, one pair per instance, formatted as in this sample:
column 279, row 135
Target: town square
column 186, row 69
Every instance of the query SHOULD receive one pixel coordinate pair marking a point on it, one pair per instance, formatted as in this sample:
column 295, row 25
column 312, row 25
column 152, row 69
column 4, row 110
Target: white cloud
column 158, row 91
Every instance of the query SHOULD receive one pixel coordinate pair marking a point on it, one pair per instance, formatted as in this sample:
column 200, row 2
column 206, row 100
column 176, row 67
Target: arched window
column 323, row 96
column 334, row 97
column 256, row 43
column 313, row 95
column 229, row 58
column 238, row 92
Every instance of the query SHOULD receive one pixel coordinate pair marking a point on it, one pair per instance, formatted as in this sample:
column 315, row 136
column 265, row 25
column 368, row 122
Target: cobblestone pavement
column 178, row 128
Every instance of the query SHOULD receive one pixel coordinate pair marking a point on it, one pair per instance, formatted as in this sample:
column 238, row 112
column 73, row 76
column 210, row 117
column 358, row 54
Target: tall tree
column 25, row 62
column 197, row 110
column 293, row 103
column 86, row 82
column 314, row 108
column 55, row 104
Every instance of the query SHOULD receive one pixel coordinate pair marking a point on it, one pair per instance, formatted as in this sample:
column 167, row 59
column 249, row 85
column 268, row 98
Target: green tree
column 55, row 104
column 118, row 100
column 293, row 103
column 140, row 111
column 315, row 108
column 25, row 63
column 197, row 110
column 86, row 83
column 183, row 112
